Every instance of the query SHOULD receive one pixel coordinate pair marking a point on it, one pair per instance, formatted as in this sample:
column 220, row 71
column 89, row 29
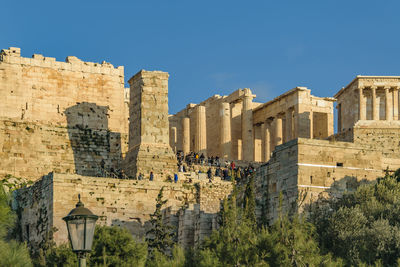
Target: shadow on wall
column 189, row 225
column 135, row 226
column 97, row 150
column 347, row 184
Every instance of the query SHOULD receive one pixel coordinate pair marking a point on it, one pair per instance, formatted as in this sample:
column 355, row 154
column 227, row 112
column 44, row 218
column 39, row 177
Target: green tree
column 249, row 201
column 112, row 246
column 239, row 242
column 292, row 242
column 115, row 246
column 61, row 255
column 177, row 259
column 159, row 237
column 12, row 253
column 234, row 243
column 363, row 227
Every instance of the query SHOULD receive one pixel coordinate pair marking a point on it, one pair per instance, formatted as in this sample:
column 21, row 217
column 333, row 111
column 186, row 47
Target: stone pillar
column 172, row 136
column 395, row 103
column 388, row 105
column 225, row 134
column 339, row 114
column 295, row 122
column 266, row 141
column 278, row 130
column 262, row 130
column 149, row 148
column 247, row 126
column 375, row 112
column 186, row 135
column 289, row 125
column 361, row 104
column 311, row 125
column 200, row 141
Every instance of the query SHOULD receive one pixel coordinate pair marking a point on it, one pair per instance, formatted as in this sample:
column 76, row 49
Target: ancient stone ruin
column 72, row 127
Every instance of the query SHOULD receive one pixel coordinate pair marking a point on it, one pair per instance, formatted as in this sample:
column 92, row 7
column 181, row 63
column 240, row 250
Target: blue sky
column 216, row 47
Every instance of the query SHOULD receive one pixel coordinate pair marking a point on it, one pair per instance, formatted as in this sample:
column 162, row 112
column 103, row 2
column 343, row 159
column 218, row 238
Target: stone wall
column 29, row 149
column 41, row 89
column 383, row 136
column 308, row 169
column 149, row 148
column 125, row 203
column 35, row 210
column 68, row 116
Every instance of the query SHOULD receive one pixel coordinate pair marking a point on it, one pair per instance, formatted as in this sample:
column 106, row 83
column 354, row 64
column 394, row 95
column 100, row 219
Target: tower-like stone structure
column 149, row 148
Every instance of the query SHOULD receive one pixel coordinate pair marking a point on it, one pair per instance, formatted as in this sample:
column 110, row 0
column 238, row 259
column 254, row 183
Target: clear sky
column 216, row 47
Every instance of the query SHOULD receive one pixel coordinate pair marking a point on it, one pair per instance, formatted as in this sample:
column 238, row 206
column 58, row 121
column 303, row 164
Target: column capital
column 373, row 87
column 269, row 120
column 280, row 115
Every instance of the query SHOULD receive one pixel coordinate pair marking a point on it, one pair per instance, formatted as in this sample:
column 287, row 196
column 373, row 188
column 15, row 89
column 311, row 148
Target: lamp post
column 80, row 224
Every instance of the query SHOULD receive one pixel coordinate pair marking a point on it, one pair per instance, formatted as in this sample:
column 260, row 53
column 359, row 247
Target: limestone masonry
column 72, row 127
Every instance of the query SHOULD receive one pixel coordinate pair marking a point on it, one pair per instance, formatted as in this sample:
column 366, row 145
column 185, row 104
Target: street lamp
column 80, row 224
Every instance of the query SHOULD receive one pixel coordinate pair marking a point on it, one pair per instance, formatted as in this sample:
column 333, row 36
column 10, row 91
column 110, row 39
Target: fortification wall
column 125, row 203
column 30, row 150
column 309, row 169
column 149, row 148
column 41, row 89
column 68, row 116
column 383, row 136
column 35, row 215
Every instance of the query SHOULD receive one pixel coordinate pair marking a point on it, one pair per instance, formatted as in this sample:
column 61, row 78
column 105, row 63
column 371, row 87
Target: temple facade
column 236, row 128
column 368, row 98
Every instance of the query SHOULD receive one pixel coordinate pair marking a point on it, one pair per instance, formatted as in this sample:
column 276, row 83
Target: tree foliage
column 159, row 237
column 12, row 253
column 115, row 246
column 363, row 227
column 178, row 258
column 240, row 241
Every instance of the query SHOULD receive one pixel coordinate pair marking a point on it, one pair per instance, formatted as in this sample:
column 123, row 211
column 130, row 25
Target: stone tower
column 149, row 148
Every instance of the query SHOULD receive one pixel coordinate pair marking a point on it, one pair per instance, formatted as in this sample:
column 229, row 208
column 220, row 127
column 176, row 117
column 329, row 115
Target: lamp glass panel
column 76, row 229
column 90, row 226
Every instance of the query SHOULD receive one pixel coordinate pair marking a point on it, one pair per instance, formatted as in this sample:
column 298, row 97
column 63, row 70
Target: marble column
column 262, row 131
column 311, row 125
column 361, row 104
column 225, row 134
column 395, row 103
column 278, row 130
column 186, row 135
column 289, row 125
column 247, row 128
column 173, row 138
column 375, row 112
column 388, row 105
column 200, row 141
column 266, row 141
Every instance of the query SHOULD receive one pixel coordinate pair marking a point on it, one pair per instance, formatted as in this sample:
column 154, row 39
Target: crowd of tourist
column 198, row 159
column 226, row 170
column 217, row 167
